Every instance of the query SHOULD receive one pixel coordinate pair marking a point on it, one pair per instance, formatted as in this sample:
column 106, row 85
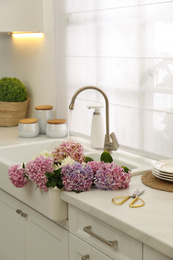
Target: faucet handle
column 111, row 145
column 115, row 144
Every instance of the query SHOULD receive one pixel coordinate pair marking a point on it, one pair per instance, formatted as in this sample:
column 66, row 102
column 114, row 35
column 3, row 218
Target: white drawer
column 101, row 235
column 81, row 250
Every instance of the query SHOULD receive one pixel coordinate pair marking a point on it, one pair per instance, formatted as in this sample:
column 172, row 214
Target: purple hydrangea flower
column 111, row 177
column 76, row 177
column 17, row 176
column 37, row 168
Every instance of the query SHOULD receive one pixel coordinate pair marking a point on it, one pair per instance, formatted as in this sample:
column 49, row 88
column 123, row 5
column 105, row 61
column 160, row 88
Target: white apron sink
column 50, row 203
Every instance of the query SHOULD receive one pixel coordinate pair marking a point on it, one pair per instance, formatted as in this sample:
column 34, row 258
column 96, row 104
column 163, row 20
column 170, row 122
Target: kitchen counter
column 151, row 224
column 10, row 136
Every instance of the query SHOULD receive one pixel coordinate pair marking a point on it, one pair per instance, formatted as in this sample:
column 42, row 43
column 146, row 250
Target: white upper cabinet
column 21, row 16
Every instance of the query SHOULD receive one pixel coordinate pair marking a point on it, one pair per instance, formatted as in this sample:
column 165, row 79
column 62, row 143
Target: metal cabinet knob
column 85, row 257
column 18, row 211
column 24, row 215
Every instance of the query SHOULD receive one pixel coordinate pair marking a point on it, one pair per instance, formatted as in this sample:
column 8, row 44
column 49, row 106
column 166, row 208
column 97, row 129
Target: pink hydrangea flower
column 17, row 176
column 94, row 165
column 111, row 177
column 69, row 148
column 37, row 168
column 76, row 177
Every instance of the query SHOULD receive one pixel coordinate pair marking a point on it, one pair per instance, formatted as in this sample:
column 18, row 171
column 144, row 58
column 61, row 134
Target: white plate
column 161, row 174
column 165, row 174
column 164, row 165
column 162, row 177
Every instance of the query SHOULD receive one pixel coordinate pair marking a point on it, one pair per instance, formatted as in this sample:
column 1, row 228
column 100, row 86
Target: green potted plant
column 13, row 101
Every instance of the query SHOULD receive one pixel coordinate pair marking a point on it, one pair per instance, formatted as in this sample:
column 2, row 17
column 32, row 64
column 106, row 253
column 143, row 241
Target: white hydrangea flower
column 67, row 160
column 44, row 153
column 83, row 164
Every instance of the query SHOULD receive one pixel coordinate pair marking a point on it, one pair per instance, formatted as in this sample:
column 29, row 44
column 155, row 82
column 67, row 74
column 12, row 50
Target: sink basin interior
column 25, row 152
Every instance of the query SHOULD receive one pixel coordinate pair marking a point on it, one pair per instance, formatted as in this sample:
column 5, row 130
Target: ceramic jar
column 56, row 128
column 28, row 127
column 43, row 113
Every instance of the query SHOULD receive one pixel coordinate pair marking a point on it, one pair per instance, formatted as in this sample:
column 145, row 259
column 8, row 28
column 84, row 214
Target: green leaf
column 54, row 179
column 60, row 185
column 88, row 159
column 48, row 184
column 48, row 174
column 126, row 169
column 53, row 182
column 106, row 157
column 57, row 172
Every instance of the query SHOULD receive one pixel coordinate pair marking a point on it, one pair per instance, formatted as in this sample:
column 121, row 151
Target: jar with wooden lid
column 43, row 113
column 28, row 127
column 56, row 128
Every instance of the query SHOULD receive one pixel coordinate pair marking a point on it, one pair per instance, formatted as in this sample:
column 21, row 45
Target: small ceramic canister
column 56, row 128
column 43, row 113
column 28, row 127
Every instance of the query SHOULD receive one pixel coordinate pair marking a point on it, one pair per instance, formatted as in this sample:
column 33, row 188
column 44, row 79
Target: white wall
column 32, row 61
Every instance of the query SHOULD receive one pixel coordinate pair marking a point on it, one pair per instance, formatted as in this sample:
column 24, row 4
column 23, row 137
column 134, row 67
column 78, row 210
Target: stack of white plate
column 163, row 169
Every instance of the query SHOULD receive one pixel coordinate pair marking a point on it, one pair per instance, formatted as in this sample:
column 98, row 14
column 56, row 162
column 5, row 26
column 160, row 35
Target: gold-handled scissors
column 121, row 199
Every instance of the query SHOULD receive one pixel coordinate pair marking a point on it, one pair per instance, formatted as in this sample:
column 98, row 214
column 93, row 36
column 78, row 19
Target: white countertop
column 10, row 136
column 151, row 224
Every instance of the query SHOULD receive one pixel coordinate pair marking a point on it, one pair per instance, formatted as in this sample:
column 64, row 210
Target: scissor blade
column 135, row 194
column 140, row 193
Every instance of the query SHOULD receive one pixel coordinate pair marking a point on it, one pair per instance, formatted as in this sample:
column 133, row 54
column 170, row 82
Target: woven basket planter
column 12, row 112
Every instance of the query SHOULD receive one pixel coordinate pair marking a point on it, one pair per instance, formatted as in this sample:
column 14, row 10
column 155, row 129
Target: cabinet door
column 12, row 230
column 28, row 235
column 151, row 254
column 21, row 15
column 79, row 250
column 45, row 239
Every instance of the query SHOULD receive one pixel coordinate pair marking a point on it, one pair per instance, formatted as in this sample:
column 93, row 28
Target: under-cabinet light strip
column 27, row 35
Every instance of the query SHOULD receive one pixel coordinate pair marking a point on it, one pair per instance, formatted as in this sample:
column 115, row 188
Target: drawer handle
column 88, row 230
column 85, row 257
column 24, row 215
column 18, row 211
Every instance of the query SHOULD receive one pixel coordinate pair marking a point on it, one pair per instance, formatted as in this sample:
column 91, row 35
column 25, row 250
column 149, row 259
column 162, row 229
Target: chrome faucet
column 109, row 145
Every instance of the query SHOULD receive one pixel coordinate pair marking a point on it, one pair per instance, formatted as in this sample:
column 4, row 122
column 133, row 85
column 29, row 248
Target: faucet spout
column 108, row 144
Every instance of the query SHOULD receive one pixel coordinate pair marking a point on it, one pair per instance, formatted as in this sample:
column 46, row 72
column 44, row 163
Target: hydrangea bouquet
column 67, row 168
